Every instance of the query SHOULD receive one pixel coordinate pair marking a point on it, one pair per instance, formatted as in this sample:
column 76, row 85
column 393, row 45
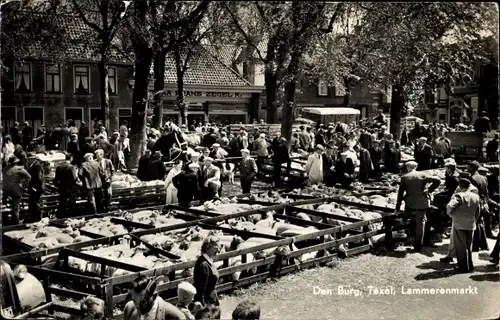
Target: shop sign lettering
column 206, row 94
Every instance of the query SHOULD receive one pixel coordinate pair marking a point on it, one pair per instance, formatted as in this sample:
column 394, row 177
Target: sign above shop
column 207, row 94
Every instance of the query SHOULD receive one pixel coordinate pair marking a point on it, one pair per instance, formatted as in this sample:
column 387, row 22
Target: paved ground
column 293, row 297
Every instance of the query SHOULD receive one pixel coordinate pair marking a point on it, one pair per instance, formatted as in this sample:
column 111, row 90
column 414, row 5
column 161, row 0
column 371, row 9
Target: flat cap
column 193, row 165
column 215, row 145
column 186, row 289
column 245, row 151
column 320, row 147
column 474, row 164
column 208, row 159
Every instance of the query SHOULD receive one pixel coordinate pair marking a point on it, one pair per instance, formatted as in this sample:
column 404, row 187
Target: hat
column 244, row 151
column 322, row 125
column 185, row 289
column 411, row 164
column 208, row 159
column 422, row 139
column 330, row 127
column 157, row 153
column 474, row 164
column 99, row 151
column 320, row 147
column 88, row 155
column 450, row 162
column 215, row 145
column 193, row 165
column 195, row 154
column 465, row 176
column 344, row 154
column 116, row 133
column 483, row 169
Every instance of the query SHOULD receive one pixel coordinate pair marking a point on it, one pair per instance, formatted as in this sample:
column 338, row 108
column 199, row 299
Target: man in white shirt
column 314, row 166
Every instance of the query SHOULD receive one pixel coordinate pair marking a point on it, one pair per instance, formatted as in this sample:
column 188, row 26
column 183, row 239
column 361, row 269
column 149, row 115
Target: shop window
column 82, row 80
column 23, row 77
column 322, row 88
column 52, row 78
column 75, row 114
column 94, row 113
column 124, row 114
column 112, row 81
column 34, row 116
column 8, row 118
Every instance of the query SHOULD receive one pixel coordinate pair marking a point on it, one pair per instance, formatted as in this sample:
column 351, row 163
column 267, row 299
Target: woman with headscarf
column 147, row 305
column 206, row 274
column 171, row 190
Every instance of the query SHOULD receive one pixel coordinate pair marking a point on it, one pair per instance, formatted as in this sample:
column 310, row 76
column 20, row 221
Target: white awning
column 331, row 111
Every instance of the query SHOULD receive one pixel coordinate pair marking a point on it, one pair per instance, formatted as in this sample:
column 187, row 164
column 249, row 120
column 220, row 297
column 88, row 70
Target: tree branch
column 338, row 10
column 84, row 18
column 244, row 34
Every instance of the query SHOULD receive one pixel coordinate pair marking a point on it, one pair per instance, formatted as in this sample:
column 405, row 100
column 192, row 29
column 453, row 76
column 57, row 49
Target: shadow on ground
column 442, row 270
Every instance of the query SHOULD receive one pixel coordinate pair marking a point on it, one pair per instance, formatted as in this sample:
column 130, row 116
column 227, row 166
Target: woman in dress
column 206, row 274
column 171, row 190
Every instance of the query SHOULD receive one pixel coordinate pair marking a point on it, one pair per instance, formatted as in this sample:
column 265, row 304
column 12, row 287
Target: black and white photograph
column 245, row 160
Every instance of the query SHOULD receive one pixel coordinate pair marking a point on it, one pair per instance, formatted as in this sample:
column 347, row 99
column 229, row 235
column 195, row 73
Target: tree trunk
column 347, row 93
column 138, row 138
column 180, row 87
column 104, row 83
column 290, row 95
column 271, row 95
column 159, row 86
column 397, row 105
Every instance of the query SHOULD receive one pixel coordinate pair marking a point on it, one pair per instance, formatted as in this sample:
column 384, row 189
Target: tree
column 105, row 18
column 147, row 21
column 28, row 27
column 182, row 43
column 420, row 45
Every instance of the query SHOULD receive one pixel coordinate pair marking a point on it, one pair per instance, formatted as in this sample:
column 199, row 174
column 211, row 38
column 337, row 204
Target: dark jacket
column 27, row 135
column 66, row 178
column 142, row 170
column 187, row 184
column 280, row 154
column 423, row 156
column 107, row 168
column 37, row 175
column 91, row 175
column 86, row 148
column 319, row 139
column 205, row 276
column 391, row 160
column 248, row 169
column 482, row 124
column 83, row 133
column 451, row 183
column 156, row 169
column 328, row 162
column 14, row 133
column 492, row 150
column 493, row 185
column 481, row 183
column 74, row 148
column 208, row 140
column 412, row 190
column 13, row 176
column 376, row 156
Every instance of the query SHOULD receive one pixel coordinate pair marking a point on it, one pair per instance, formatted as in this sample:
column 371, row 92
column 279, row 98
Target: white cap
column 208, row 159
column 215, row 145
column 193, row 165
column 195, row 154
column 186, row 289
column 244, row 150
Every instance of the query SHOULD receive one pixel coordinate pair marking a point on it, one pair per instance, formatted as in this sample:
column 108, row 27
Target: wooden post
column 108, row 289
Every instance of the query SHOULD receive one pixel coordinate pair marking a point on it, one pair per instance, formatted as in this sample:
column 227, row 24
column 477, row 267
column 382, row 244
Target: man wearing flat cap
column 414, row 191
column 423, row 154
column 36, row 186
column 210, row 180
column 463, row 209
column 482, row 123
column 248, row 171
column 92, row 176
column 14, row 178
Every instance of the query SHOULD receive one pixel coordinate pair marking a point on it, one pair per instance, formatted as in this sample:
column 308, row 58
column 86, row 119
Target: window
column 53, row 78
column 339, row 91
column 23, row 77
column 8, row 118
column 112, row 80
column 322, row 88
column 94, row 113
column 82, row 80
column 124, row 114
column 34, row 116
column 75, row 114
